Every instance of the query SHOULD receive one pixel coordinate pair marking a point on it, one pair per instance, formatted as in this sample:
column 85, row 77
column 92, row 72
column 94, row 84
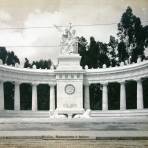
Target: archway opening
column 145, row 92
column 43, row 94
column 25, row 96
column 8, row 95
column 113, row 96
column 131, row 95
column 95, row 96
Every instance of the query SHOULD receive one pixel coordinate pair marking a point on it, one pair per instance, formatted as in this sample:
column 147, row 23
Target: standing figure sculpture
column 69, row 40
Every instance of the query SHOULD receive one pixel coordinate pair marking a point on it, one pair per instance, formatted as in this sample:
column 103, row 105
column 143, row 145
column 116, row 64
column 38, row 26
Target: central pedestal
column 69, row 76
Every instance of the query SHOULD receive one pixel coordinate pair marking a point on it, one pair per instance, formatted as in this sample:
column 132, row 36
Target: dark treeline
column 130, row 44
column 41, row 64
column 8, row 57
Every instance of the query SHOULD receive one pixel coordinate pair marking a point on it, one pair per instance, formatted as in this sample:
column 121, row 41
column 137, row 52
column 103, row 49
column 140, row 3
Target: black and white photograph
column 73, row 73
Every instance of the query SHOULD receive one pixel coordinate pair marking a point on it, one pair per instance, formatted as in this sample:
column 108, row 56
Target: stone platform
column 94, row 128
column 97, row 132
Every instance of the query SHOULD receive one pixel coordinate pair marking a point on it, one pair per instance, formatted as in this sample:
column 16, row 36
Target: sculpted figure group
column 69, row 40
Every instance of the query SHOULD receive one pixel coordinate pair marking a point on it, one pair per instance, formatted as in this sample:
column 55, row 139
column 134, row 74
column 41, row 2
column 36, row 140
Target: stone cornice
column 44, row 76
column 117, row 74
column 26, row 75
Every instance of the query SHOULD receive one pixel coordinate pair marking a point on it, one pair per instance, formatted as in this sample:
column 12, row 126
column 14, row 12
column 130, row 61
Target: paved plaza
column 88, row 128
column 45, row 143
column 72, row 133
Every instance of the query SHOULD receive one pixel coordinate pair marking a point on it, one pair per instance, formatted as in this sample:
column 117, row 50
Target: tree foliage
column 131, row 43
column 41, row 64
column 133, row 36
column 8, row 57
column 93, row 55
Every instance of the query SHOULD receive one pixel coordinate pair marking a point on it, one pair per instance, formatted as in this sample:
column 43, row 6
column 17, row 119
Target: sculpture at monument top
column 69, row 40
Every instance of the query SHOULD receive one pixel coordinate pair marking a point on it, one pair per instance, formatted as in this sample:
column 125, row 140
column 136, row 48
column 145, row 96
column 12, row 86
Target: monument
column 69, row 98
column 69, row 75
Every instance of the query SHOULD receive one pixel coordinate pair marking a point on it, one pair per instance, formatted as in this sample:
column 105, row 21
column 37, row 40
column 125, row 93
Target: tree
column 82, row 50
column 12, row 59
column 39, row 64
column 113, row 51
column 8, row 57
column 42, row 64
column 102, row 54
column 3, row 54
column 132, row 35
column 145, row 30
column 93, row 55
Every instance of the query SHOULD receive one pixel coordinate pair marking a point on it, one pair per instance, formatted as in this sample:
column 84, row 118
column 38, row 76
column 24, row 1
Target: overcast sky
column 25, row 13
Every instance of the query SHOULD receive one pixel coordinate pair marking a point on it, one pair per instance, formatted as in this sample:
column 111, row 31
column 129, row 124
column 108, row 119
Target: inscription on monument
column 69, row 105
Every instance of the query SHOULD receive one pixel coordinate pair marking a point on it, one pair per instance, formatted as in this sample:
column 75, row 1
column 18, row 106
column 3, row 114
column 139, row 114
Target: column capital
column 52, row 84
column 138, row 79
column 17, row 82
column 122, row 81
column 34, row 83
column 104, row 83
column 86, row 84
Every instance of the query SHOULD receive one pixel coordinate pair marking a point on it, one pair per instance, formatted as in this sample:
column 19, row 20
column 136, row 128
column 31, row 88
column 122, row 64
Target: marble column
column 17, row 96
column 34, row 96
column 52, row 97
column 1, row 95
column 86, row 97
column 139, row 94
column 105, row 97
column 122, row 96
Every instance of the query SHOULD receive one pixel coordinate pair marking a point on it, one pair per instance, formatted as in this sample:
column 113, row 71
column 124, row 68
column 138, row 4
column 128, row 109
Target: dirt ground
column 48, row 143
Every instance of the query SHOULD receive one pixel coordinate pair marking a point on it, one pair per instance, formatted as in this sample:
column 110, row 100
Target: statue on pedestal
column 69, row 40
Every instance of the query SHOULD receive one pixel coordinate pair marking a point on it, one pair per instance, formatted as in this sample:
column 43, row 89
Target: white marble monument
column 69, row 85
column 69, row 75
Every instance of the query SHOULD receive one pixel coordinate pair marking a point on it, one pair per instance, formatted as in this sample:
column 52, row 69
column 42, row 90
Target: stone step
column 120, row 113
column 28, row 114
column 93, row 113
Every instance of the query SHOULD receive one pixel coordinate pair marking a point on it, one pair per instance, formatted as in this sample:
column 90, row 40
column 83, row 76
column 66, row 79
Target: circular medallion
column 69, row 89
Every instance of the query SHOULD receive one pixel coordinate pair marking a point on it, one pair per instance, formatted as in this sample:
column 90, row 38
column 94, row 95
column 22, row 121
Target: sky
column 43, row 13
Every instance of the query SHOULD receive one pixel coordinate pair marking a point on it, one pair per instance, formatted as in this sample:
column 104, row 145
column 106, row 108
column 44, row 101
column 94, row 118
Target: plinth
column 69, row 76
